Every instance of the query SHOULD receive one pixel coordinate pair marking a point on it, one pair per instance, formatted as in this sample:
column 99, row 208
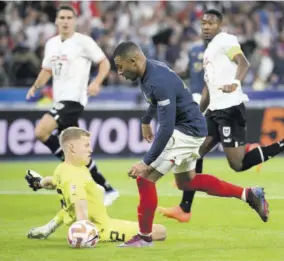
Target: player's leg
column 262, row 154
column 241, row 161
column 43, row 232
column 252, row 146
column 43, row 132
column 124, row 230
column 232, row 132
column 232, row 129
column 148, row 202
column 63, row 115
column 188, row 180
column 182, row 213
column 184, row 208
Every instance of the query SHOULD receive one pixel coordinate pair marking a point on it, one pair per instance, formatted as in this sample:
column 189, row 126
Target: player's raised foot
column 138, row 241
column 175, row 212
column 110, row 197
column 39, row 233
column 256, row 199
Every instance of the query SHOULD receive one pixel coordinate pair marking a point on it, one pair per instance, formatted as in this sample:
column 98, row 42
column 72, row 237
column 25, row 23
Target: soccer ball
column 83, row 234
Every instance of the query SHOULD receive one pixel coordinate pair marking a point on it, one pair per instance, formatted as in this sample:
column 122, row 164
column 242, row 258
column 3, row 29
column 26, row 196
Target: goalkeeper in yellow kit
column 81, row 198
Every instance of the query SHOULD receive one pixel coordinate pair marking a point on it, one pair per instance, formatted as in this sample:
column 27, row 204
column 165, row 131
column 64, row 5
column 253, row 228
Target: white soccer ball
column 83, row 234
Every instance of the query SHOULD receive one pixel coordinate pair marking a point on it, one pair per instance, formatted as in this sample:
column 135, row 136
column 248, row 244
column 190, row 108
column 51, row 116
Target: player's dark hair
column 216, row 13
column 66, row 7
column 125, row 49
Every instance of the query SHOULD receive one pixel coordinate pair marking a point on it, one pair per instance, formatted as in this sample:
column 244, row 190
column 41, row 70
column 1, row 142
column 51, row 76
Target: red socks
column 212, row 186
column 206, row 183
column 147, row 206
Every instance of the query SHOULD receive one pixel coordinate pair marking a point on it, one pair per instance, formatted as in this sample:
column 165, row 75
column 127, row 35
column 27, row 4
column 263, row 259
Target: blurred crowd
column 165, row 31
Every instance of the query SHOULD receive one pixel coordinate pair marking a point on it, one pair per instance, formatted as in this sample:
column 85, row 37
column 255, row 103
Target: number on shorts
column 114, row 236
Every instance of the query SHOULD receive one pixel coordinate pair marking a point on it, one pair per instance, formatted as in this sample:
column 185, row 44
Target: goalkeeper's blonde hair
column 72, row 133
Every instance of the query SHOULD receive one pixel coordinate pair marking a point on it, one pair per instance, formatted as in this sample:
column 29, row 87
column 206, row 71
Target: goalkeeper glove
column 33, row 179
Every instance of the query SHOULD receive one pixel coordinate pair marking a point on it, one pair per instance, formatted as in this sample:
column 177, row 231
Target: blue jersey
column 170, row 98
column 196, row 72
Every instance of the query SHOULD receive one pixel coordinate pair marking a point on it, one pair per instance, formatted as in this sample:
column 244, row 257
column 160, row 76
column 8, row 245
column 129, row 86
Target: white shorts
column 180, row 154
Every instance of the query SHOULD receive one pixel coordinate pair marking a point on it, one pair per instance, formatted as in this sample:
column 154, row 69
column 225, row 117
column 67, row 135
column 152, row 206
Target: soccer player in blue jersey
column 176, row 144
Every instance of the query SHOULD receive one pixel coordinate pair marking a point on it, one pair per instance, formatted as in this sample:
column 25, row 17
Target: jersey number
column 62, row 201
column 114, row 236
column 57, row 70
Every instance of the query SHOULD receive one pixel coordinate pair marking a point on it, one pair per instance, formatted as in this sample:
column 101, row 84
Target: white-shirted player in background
column 68, row 58
column 225, row 67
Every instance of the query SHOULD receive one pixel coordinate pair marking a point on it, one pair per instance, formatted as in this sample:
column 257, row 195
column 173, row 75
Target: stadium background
column 220, row 230
column 166, row 31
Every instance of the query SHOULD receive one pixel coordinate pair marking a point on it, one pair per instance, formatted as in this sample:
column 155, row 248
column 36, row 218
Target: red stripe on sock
column 247, row 148
column 148, row 204
column 212, row 186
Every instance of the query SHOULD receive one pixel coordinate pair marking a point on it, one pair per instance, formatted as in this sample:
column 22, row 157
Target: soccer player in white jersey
column 68, row 58
column 225, row 67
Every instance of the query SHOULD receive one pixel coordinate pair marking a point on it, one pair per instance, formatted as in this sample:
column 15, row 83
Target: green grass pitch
column 220, row 229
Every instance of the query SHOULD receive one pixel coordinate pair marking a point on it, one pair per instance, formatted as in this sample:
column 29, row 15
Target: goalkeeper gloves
column 33, row 179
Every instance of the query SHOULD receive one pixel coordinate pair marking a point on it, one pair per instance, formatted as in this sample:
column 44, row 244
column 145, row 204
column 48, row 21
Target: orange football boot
column 175, row 213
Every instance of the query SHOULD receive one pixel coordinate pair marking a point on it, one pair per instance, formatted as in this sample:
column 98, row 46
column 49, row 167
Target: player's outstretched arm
column 205, row 99
column 36, row 181
column 81, row 209
column 41, row 80
column 46, row 183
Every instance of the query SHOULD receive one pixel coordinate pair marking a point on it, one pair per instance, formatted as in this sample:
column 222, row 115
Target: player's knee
column 183, row 179
column 181, row 186
column 159, row 232
column 236, row 166
column 45, row 127
column 41, row 135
